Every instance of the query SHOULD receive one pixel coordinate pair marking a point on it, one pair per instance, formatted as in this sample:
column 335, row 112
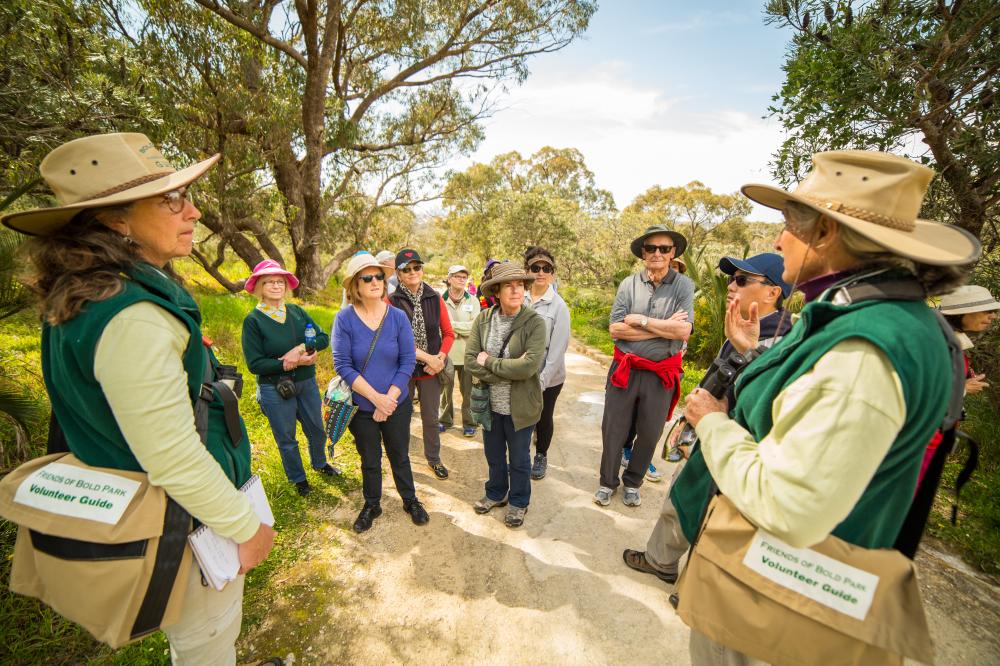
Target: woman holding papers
column 124, row 358
column 373, row 351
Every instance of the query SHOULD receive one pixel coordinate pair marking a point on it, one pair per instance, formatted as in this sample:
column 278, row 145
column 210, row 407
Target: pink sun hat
column 270, row 267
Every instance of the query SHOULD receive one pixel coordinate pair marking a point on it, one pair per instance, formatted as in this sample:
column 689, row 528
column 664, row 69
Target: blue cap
column 768, row 265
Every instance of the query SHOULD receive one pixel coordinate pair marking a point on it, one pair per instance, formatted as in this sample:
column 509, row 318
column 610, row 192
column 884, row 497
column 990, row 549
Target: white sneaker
column 631, row 497
column 603, row 495
column 653, row 474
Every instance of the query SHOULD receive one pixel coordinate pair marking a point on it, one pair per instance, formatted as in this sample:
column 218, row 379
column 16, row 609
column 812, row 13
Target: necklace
column 371, row 319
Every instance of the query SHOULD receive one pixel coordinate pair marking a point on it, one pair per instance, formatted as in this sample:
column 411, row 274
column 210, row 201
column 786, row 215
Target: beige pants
column 706, row 652
column 667, row 544
column 210, row 623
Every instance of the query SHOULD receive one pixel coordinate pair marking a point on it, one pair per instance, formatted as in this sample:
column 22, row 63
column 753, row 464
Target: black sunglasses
column 650, row 249
column 412, row 269
column 743, row 280
column 540, row 268
column 367, row 279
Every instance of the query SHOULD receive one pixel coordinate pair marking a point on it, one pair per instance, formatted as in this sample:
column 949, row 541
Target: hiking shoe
column 303, row 488
column 367, row 516
column 653, row 474
column 539, row 467
column 636, row 559
column 442, row 427
column 515, row 516
column 440, row 471
column 417, row 511
column 675, row 455
column 329, row 470
column 626, row 457
column 603, row 495
column 631, row 497
column 484, row 505
column 469, row 431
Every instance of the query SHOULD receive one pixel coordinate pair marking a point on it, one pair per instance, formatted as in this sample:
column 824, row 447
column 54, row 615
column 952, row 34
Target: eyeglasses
column 743, row 280
column 177, row 199
column 651, row 249
column 540, row 268
column 367, row 279
column 268, row 283
column 412, row 269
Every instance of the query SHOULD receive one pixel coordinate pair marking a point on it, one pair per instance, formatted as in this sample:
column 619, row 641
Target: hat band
column 135, row 182
column 867, row 215
column 974, row 304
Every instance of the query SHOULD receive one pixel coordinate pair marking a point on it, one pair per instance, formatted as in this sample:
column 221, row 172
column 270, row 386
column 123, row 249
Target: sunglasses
column 367, row 279
column 540, row 268
column 412, row 269
column 651, row 249
column 743, row 280
column 176, row 199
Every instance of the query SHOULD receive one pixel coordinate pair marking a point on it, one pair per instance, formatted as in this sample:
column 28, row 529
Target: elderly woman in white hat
column 373, row 352
column 970, row 309
column 463, row 308
column 110, row 303
column 505, row 353
column 829, row 425
column 280, row 343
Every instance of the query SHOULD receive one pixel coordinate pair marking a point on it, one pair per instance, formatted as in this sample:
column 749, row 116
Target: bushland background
column 333, row 118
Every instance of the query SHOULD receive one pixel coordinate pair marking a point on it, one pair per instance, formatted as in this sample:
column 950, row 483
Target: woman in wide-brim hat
column 829, row 426
column 122, row 345
column 970, row 310
column 374, row 352
column 276, row 348
column 505, row 353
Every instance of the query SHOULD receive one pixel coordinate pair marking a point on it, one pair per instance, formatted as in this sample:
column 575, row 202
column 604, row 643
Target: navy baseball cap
column 407, row 256
column 768, row 265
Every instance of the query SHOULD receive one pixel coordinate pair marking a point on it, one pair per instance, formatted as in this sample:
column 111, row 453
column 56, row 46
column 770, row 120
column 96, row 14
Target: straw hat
column 968, row 299
column 877, row 195
column 270, row 267
column 504, row 272
column 361, row 261
column 102, row 170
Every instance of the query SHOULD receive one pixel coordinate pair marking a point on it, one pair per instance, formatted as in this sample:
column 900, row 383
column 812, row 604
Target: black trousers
column 545, row 427
column 394, row 433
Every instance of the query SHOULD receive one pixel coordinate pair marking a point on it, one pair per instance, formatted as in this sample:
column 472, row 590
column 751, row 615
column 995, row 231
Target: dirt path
column 467, row 590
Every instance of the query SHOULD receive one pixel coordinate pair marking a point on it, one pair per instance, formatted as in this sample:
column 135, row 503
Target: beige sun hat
column 102, row 170
column 968, row 299
column 879, row 196
column 361, row 261
column 504, row 271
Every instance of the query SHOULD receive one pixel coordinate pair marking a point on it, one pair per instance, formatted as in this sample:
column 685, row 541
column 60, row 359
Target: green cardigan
column 68, row 352
column 525, row 355
column 908, row 333
column 265, row 341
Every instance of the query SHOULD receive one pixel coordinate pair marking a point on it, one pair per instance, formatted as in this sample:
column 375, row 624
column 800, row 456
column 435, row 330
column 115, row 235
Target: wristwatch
column 644, row 322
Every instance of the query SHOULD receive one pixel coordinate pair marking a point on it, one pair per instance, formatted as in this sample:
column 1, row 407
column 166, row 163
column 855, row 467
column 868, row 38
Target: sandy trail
column 467, row 590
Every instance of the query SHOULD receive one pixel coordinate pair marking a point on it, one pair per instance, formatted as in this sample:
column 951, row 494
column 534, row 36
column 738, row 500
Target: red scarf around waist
column 668, row 370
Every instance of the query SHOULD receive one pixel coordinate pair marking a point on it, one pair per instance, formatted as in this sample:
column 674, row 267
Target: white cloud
column 633, row 137
column 699, row 21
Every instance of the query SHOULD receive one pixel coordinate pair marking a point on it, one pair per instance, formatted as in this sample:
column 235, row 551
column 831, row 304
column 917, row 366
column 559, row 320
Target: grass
column 31, row 633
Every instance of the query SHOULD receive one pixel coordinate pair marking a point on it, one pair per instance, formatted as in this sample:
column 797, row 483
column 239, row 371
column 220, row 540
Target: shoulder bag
column 339, row 406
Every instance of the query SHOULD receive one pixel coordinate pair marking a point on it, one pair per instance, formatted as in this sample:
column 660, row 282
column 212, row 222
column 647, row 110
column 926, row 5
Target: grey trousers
column 667, row 544
column 706, row 652
column 447, row 415
column 429, row 392
column 644, row 403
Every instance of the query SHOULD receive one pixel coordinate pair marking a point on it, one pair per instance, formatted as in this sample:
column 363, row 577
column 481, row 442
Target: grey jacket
column 552, row 308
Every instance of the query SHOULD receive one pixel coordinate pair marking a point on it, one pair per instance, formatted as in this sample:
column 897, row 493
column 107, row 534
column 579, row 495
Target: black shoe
column 539, row 467
column 303, row 488
column 440, row 471
column 329, row 470
column 416, row 511
column 367, row 516
column 636, row 559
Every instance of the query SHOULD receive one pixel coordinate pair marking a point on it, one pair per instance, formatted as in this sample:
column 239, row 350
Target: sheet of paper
column 218, row 556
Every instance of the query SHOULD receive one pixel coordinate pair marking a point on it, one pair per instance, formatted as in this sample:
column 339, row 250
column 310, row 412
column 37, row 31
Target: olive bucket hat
column 680, row 242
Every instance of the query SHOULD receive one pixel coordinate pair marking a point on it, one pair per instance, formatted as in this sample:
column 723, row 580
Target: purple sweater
column 392, row 361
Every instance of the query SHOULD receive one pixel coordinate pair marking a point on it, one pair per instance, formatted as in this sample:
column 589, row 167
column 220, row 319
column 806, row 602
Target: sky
column 654, row 93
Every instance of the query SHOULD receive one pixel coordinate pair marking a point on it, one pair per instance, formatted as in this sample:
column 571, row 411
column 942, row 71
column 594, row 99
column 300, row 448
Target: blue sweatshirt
column 392, row 361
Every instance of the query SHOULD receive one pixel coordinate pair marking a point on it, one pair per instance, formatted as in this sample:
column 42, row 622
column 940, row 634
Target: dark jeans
column 428, row 393
column 306, row 408
column 394, row 433
column 642, row 405
column 513, row 477
column 545, row 427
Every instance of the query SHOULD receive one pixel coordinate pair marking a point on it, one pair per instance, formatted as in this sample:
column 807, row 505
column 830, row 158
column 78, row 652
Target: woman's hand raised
column 743, row 334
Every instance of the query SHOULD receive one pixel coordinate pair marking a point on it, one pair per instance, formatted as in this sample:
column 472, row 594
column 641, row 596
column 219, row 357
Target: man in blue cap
column 757, row 283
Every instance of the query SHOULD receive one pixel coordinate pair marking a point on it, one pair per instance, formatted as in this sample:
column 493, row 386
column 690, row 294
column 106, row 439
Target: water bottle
column 310, row 338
